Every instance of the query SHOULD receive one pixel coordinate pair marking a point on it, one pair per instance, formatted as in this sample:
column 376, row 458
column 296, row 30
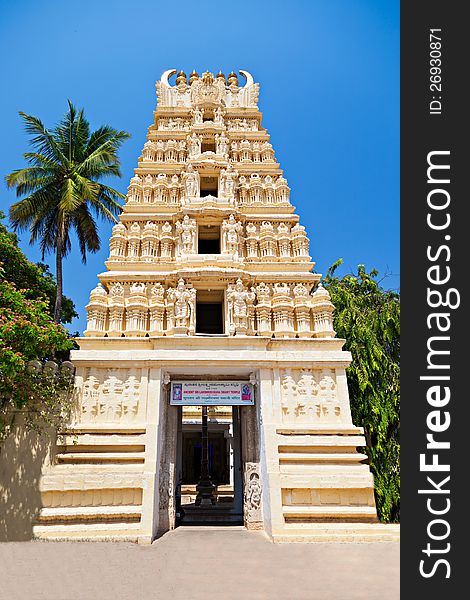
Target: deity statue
column 218, row 116
column 222, row 144
column 231, row 235
column 181, row 307
column 190, row 179
column 228, row 183
column 186, row 231
column 239, row 298
column 194, row 145
column 198, row 116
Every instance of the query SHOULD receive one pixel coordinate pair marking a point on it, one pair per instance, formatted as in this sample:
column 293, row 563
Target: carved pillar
column 157, row 310
column 283, row 310
column 283, row 240
column 149, row 242
column 267, row 244
column 116, row 310
column 118, row 242
column 133, row 241
column 251, row 241
column 302, row 310
column 322, row 311
column 97, row 310
column 137, row 311
column 263, row 309
column 299, row 242
column 166, row 241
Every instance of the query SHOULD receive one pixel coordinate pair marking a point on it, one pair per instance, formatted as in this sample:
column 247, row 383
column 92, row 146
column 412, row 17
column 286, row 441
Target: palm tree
column 62, row 188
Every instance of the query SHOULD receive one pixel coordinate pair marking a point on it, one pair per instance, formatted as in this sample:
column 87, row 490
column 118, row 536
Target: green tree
column 34, row 280
column 62, row 187
column 368, row 317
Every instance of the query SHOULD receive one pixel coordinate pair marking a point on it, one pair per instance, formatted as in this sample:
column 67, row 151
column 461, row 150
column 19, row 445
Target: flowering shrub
column 27, row 333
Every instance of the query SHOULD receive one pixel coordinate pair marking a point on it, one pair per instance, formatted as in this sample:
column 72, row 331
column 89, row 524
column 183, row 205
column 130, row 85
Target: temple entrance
column 209, row 479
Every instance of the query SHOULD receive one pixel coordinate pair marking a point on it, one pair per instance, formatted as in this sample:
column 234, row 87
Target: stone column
column 269, row 398
column 152, row 392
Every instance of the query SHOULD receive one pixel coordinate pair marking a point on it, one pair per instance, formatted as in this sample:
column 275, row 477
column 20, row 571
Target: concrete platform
column 191, row 562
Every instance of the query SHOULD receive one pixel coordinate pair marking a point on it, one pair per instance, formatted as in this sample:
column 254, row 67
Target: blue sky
column 329, row 76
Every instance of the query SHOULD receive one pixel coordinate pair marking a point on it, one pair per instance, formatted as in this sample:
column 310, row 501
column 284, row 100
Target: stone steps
column 339, row 532
column 328, row 512
column 100, row 457
column 322, row 457
column 121, row 531
column 89, row 513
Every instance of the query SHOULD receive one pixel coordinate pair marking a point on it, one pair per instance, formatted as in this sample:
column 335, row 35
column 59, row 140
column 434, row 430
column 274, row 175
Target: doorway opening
column 223, row 464
column 208, row 239
column 210, row 312
column 209, row 186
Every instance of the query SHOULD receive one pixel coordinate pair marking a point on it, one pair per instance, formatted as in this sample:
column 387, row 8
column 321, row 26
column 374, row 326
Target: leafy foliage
column 61, row 186
column 35, row 280
column 27, row 333
column 368, row 317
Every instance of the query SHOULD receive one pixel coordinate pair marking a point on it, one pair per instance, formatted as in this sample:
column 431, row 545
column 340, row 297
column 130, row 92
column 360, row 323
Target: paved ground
column 196, row 563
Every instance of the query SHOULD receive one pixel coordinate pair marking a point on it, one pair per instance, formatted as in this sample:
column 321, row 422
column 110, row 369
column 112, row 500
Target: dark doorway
column 208, row 147
column 208, row 239
column 218, row 458
column 209, row 317
column 209, row 186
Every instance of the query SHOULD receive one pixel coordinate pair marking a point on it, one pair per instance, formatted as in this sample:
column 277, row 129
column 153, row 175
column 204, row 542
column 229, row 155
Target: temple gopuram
column 210, row 386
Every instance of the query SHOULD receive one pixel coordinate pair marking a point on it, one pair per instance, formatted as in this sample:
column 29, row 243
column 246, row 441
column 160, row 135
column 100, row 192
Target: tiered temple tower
column 209, row 278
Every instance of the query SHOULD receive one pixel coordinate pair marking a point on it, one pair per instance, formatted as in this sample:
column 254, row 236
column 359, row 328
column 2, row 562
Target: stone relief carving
column 231, row 236
column 252, row 496
column 110, row 396
column 181, row 309
column 309, row 395
column 240, row 305
column 186, row 231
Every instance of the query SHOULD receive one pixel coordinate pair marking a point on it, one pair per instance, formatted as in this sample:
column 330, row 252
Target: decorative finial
column 181, row 78
column 232, row 79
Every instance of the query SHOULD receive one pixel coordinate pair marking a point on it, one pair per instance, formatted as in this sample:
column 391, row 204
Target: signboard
column 211, row 393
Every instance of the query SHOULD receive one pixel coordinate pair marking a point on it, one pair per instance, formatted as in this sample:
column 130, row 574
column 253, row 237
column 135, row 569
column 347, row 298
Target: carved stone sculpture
column 186, row 230
column 181, row 308
column 239, row 301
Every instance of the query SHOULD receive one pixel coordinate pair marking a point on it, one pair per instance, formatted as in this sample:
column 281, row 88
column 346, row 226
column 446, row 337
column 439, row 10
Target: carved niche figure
column 181, row 308
column 194, row 145
column 190, row 183
column 231, row 235
column 186, row 231
column 222, row 144
column 228, row 183
column 218, row 116
column 239, row 300
column 198, row 116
